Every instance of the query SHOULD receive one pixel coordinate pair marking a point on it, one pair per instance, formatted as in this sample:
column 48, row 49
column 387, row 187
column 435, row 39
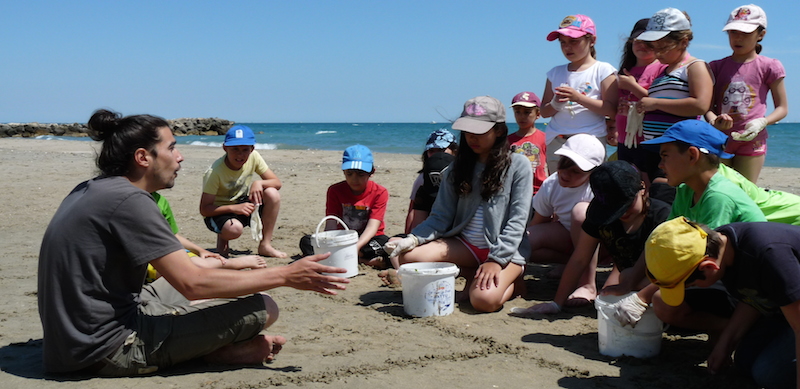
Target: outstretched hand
column 305, row 274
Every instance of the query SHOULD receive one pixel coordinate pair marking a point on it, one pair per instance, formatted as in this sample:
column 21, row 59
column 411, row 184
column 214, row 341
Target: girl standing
column 682, row 91
column 579, row 95
column 638, row 69
column 478, row 219
column 740, row 94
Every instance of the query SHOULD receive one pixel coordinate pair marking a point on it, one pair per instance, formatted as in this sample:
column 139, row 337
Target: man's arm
column 200, row 283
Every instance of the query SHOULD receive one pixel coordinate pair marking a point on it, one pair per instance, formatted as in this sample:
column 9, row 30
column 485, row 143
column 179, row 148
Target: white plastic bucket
column 342, row 246
column 428, row 288
column 614, row 340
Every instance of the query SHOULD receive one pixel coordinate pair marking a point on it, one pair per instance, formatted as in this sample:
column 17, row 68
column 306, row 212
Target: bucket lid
column 429, row 269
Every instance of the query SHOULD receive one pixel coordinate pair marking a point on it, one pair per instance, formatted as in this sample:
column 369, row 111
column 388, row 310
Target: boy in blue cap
column 231, row 196
column 361, row 204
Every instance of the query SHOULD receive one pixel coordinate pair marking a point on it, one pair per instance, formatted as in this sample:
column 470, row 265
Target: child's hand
column 751, row 129
column 567, row 93
column 719, row 358
column 646, row 104
column 396, row 247
column 723, row 122
column 629, row 310
column 256, row 194
column 626, row 81
column 244, row 209
column 488, row 275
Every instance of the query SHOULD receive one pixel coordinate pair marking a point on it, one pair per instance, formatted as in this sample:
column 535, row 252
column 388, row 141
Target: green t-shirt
column 721, row 203
column 777, row 206
column 166, row 210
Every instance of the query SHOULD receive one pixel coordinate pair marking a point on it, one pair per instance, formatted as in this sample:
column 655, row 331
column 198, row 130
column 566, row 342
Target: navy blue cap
column 240, row 135
column 696, row 133
column 357, row 157
column 440, row 139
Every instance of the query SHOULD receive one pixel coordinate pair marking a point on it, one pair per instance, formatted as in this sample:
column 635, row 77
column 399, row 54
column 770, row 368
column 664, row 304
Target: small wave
column 259, row 146
column 356, row 124
column 324, row 132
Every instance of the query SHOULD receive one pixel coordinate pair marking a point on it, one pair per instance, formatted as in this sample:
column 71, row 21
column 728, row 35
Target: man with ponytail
column 98, row 318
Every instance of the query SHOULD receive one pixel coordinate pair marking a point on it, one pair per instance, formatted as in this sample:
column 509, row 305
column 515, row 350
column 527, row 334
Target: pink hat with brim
column 574, row 26
column 747, row 19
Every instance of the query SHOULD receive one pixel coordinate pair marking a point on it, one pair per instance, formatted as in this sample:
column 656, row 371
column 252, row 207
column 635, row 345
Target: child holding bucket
column 361, row 204
column 759, row 265
column 478, row 219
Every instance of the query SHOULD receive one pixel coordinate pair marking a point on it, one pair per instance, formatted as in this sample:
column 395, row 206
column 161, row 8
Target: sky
column 318, row 61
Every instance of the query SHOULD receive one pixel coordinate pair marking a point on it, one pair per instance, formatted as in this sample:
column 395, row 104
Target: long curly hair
column 497, row 164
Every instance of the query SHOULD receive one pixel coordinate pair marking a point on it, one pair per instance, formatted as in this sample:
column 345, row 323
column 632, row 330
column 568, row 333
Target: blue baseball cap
column 357, row 157
column 696, row 133
column 440, row 139
column 240, row 135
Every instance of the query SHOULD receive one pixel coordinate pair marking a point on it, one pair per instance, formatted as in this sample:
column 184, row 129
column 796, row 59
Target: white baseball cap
column 585, row 150
column 746, row 18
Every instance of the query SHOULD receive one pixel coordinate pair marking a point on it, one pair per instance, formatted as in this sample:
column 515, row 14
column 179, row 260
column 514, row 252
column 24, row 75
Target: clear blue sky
column 317, row 61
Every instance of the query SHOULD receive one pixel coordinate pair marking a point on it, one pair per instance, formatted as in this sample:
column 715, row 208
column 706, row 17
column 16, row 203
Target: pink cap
column 574, row 26
column 746, row 18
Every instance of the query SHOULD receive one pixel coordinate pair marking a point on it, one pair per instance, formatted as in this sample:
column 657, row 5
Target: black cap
column 615, row 185
column 639, row 27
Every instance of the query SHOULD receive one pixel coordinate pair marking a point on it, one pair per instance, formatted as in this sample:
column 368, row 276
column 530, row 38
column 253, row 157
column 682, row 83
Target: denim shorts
column 169, row 330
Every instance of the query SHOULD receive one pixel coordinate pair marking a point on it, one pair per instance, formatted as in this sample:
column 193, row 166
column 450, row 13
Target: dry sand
column 358, row 339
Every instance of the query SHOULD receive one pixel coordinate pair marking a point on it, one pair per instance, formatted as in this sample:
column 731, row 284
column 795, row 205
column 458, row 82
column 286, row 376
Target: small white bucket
column 614, row 340
column 342, row 246
column 428, row 288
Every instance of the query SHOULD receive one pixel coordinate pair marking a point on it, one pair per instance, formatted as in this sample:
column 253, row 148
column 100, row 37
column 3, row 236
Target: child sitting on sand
column 361, row 204
column 478, row 219
column 200, row 256
column 438, row 154
column 553, row 231
column 529, row 141
column 231, row 196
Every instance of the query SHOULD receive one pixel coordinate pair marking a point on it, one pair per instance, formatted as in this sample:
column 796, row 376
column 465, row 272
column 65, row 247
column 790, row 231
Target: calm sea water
column 409, row 138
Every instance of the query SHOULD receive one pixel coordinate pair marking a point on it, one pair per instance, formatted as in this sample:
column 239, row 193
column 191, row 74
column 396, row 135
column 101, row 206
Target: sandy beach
column 360, row 338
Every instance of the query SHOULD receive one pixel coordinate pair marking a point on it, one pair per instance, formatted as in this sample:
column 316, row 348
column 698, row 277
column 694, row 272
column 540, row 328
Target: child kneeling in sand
column 478, row 219
column 759, row 265
column 361, row 204
column 230, row 195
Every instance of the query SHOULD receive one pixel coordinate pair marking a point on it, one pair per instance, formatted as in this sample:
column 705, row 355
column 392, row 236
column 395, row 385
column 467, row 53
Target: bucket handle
column 321, row 222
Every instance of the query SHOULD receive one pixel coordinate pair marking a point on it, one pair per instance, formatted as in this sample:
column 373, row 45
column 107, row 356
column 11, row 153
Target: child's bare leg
column 587, row 291
column 491, row 300
column 749, row 166
column 269, row 216
column 231, row 230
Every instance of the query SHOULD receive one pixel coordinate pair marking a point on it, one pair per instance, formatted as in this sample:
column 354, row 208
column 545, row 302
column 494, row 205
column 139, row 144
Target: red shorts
column 754, row 148
column 480, row 255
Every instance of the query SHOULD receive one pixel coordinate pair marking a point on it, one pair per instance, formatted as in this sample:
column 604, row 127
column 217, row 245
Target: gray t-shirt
column 92, row 265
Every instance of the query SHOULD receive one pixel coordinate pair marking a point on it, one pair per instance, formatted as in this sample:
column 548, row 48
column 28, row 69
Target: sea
column 409, row 138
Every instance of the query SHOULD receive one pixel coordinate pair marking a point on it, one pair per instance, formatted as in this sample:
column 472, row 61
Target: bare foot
column 256, row 351
column 389, row 278
column 266, row 250
column 584, row 295
column 246, row 262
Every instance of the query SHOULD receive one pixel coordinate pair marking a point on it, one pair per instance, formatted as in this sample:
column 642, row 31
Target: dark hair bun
column 103, row 123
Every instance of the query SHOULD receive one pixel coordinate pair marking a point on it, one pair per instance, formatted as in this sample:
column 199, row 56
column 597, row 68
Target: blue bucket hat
column 696, row 133
column 357, row 157
column 440, row 139
column 240, row 135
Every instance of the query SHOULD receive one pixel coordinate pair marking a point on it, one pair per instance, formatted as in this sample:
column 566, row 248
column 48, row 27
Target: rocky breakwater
column 184, row 126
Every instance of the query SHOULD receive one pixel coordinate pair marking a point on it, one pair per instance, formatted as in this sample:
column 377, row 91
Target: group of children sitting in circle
column 487, row 204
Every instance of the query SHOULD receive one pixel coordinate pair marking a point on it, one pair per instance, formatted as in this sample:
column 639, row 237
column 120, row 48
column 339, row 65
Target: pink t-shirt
column 534, row 148
column 741, row 89
column 644, row 76
column 357, row 210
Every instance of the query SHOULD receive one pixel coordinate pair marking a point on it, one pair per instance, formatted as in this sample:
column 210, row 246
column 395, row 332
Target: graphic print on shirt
column 529, row 150
column 738, row 99
column 355, row 216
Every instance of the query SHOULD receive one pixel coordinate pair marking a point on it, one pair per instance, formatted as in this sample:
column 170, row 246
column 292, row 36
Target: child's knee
column 271, row 196
column 231, row 230
column 485, row 302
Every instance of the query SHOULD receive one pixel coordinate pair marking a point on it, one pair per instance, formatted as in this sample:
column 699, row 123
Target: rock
column 182, row 126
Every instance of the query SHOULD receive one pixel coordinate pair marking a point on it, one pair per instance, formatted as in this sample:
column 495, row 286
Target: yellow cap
column 672, row 253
